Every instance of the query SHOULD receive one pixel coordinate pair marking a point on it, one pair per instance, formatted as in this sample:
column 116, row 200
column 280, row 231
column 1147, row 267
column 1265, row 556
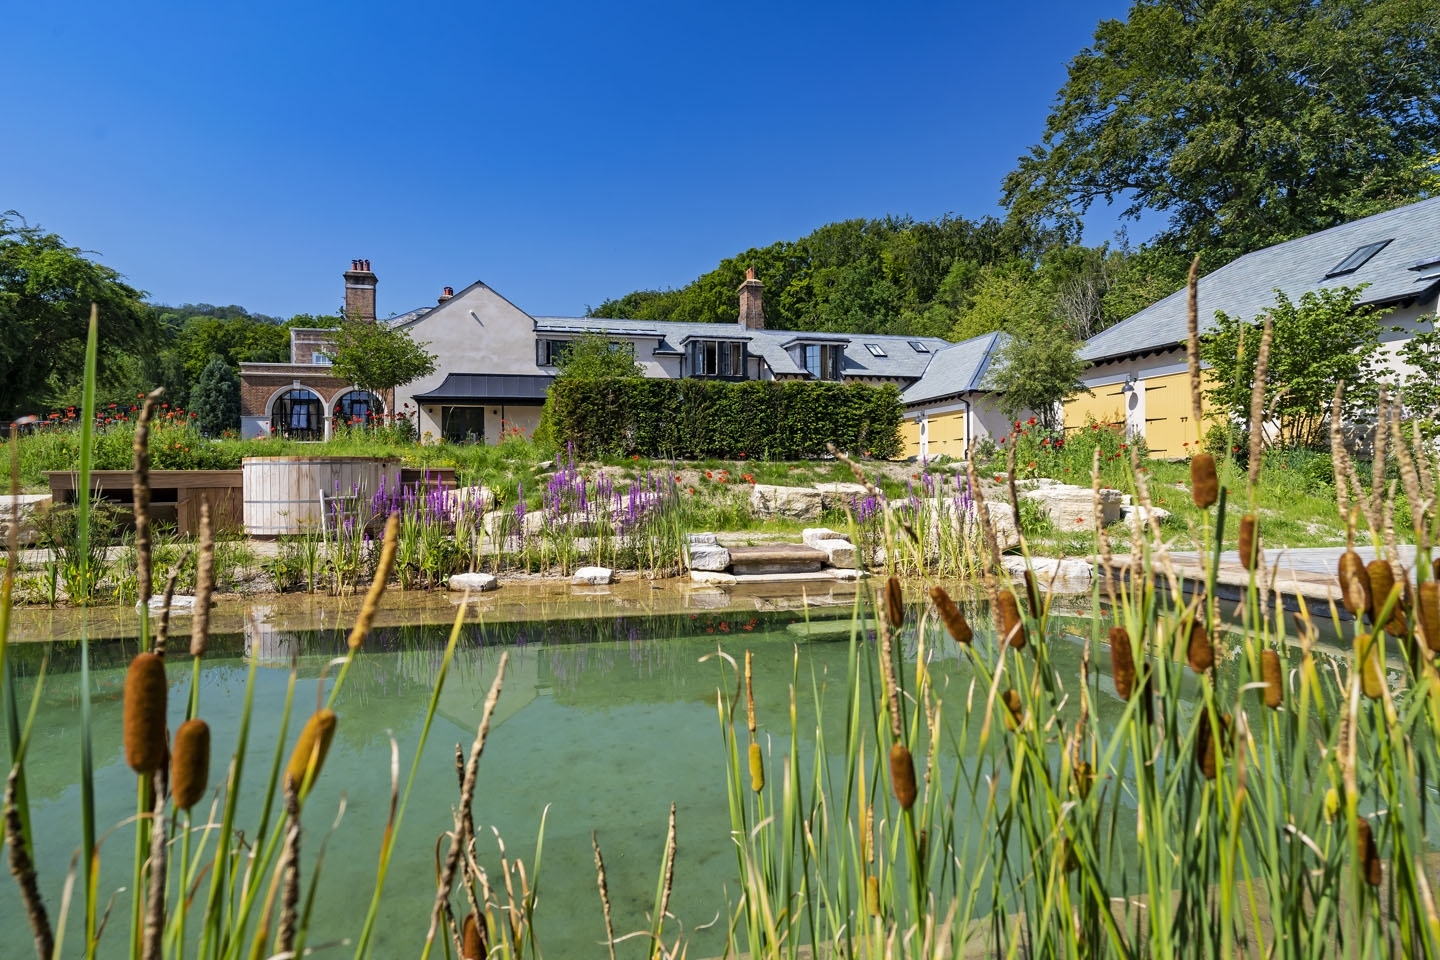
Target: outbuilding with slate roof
column 1138, row 376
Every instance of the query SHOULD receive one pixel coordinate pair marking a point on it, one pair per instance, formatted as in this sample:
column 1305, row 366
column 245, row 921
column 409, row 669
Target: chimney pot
column 360, row 292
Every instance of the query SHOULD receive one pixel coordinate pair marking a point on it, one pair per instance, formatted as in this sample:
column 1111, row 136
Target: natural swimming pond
column 604, row 720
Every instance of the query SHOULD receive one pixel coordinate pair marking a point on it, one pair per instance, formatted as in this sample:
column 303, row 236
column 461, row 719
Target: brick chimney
column 752, row 309
column 445, row 294
column 360, row 291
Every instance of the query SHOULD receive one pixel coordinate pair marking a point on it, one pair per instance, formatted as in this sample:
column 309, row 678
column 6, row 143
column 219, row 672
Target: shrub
column 215, row 399
column 695, row 419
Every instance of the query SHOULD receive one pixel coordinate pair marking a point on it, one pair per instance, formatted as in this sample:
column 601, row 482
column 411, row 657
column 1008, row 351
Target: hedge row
column 692, row 419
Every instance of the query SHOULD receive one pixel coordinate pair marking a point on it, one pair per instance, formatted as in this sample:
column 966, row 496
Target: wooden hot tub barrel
column 282, row 494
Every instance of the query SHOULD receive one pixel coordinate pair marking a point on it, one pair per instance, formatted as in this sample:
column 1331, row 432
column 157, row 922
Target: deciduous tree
column 378, row 358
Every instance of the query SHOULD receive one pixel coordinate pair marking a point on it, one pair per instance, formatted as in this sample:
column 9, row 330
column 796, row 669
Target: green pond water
column 604, row 721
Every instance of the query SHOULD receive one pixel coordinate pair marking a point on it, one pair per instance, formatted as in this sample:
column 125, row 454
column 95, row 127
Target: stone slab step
column 776, row 553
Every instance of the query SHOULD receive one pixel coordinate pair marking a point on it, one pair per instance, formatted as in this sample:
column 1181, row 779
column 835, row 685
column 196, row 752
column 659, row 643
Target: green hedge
column 695, row 419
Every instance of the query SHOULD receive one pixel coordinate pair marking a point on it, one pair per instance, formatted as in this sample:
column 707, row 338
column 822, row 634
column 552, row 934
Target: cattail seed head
column 1367, row 661
column 1014, row 709
column 1428, row 613
column 1204, row 484
column 473, row 945
column 1199, row 651
column 1084, row 779
column 951, row 616
column 1032, row 594
column 1354, row 583
column 1249, row 542
column 894, row 603
column 1208, row 744
column 1011, row 622
column 1367, row 851
column 1122, row 662
column 1382, row 582
column 190, row 763
column 902, row 775
column 872, row 895
column 310, row 749
column 1332, row 804
column 1273, row 675
column 144, row 721
column 757, row 768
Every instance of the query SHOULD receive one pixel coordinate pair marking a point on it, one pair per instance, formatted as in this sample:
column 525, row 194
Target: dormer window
column 723, row 359
column 1357, row 259
column 823, row 361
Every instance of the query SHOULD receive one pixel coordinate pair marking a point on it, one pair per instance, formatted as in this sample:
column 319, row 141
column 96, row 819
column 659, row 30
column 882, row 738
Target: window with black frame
column 296, row 415
column 358, row 408
column 821, row 360
column 717, row 358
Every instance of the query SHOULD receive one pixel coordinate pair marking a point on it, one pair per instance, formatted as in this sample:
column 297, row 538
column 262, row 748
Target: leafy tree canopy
column 379, row 358
column 1248, row 123
column 46, row 289
column 594, row 356
column 1035, row 371
column 1319, row 341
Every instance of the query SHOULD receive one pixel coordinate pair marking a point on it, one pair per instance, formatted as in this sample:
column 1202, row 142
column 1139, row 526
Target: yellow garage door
column 1105, row 405
column 947, row 434
column 1169, row 420
column 909, row 438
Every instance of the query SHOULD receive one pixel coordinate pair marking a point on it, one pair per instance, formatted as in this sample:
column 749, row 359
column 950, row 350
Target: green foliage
column 46, row 289
column 1034, row 372
column 379, row 358
column 1247, row 124
column 215, row 400
column 594, row 356
column 690, row 418
column 1323, row 339
column 1420, row 390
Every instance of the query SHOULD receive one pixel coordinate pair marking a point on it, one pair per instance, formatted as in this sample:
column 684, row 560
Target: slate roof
column 957, row 369
column 1407, row 267
column 901, row 361
column 490, row 387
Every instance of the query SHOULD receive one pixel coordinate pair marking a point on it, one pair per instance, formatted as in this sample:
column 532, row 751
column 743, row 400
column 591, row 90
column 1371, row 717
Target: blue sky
column 564, row 153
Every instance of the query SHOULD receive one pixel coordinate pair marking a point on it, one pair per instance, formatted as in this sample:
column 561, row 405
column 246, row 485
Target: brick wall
column 258, row 386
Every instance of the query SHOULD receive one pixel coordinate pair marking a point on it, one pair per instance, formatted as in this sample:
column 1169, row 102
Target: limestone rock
column 1144, row 513
column 180, row 604
column 711, row 577
column 813, row 535
column 1059, row 576
column 707, row 539
column 835, row 496
column 593, row 576
column 20, row 514
column 798, row 503
column 841, row 553
column 474, row 582
column 708, row 556
column 1071, row 507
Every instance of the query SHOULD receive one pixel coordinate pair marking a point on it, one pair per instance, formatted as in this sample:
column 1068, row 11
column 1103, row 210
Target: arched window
column 296, row 415
column 358, row 408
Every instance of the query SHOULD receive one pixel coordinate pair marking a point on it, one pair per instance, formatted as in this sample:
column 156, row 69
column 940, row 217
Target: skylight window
column 919, row 347
column 1357, row 259
column 875, row 349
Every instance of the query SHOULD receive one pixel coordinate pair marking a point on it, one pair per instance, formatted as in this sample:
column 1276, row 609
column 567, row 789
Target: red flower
column 1031, row 421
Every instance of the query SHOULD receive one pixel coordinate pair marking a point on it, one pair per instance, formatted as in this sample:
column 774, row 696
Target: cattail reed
column 1084, row 779
column 749, row 693
column 1199, row 651
column 140, row 487
column 1208, row 744
column 1204, row 483
column 144, row 721
column 1354, row 584
column 1032, row 594
column 310, row 750
column 1367, row 851
column 1249, row 542
column 872, row 895
column 473, row 945
column 377, row 586
column 1382, row 584
column 1273, row 675
column 1367, row 661
column 1122, row 662
column 1012, row 626
column 1192, row 347
column 1427, row 610
column 204, row 584
column 902, row 775
column 190, row 763
column 894, row 603
column 1014, row 709
column 951, row 616
column 757, row 768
